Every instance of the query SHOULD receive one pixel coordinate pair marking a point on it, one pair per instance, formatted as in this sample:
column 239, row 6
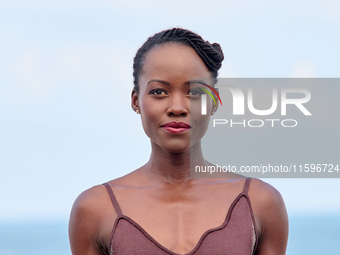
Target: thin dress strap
column 246, row 185
column 113, row 199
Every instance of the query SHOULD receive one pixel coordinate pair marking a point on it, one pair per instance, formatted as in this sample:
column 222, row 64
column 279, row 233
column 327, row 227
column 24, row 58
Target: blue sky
column 66, row 123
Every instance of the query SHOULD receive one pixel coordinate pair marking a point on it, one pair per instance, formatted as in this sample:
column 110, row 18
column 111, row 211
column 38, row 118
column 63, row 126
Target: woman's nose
column 178, row 105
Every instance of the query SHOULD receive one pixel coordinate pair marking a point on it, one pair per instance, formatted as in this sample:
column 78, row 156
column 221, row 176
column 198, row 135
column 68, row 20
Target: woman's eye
column 158, row 92
column 195, row 92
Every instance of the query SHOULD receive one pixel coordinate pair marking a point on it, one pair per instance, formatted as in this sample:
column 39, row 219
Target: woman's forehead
column 173, row 59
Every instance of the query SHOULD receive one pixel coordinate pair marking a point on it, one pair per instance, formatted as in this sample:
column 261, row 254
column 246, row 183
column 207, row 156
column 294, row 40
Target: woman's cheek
column 150, row 119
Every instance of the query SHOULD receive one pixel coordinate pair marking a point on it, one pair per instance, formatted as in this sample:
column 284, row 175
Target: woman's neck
column 173, row 168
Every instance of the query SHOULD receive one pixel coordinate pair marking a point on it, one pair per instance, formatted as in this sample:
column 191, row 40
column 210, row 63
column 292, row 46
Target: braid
column 211, row 54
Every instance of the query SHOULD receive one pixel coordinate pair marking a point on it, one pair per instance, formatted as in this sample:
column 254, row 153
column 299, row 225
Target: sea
column 312, row 235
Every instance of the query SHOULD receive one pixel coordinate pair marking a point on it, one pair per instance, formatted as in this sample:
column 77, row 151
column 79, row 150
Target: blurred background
column 66, row 123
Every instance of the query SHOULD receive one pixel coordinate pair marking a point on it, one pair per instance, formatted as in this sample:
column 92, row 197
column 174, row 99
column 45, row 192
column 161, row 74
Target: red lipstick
column 176, row 127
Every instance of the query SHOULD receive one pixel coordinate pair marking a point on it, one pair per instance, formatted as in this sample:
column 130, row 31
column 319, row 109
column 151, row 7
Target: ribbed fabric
column 236, row 236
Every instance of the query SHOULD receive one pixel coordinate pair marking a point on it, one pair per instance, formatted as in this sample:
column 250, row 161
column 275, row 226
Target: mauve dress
column 236, row 236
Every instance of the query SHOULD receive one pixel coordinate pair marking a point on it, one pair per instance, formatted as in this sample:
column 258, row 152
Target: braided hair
column 211, row 54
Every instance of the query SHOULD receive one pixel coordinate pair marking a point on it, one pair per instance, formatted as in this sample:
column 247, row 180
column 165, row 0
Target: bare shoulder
column 264, row 193
column 89, row 202
column 266, row 200
column 91, row 195
column 90, row 215
column 270, row 217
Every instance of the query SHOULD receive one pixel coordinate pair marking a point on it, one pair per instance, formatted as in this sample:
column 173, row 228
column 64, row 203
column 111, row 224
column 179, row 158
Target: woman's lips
column 176, row 127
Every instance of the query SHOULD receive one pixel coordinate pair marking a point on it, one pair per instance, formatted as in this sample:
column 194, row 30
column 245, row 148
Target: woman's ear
column 214, row 109
column 215, row 106
column 134, row 101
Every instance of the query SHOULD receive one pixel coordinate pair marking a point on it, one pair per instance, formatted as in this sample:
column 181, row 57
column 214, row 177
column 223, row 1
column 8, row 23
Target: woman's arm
column 271, row 219
column 85, row 222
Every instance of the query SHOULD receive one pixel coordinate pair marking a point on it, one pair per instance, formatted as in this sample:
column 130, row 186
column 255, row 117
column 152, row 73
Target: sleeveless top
column 236, row 236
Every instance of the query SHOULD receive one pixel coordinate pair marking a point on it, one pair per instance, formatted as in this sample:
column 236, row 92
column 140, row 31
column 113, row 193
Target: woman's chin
column 175, row 147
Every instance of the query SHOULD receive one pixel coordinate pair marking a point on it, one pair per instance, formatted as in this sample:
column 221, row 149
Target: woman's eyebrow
column 159, row 81
column 197, row 82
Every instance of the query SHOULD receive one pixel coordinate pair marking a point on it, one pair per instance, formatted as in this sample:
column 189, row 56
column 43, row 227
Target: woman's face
column 170, row 119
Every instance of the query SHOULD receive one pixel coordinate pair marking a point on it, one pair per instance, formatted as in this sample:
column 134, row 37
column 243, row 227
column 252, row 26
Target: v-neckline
column 196, row 247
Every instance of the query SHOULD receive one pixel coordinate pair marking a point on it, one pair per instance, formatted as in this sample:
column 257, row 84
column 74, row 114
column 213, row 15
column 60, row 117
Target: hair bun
column 218, row 48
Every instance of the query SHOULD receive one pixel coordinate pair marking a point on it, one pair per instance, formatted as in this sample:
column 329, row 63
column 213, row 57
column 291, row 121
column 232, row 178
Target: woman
column 158, row 208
